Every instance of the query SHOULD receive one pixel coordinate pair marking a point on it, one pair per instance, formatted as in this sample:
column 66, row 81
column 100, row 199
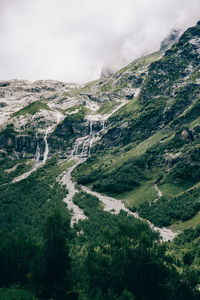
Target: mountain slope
column 118, row 157
column 141, row 125
column 155, row 138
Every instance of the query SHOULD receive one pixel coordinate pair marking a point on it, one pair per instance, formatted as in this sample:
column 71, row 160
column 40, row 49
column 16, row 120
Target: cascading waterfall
column 90, row 146
column 46, row 151
column 91, row 123
column 39, row 163
column 34, row 167
column 91, row 140
column 84, row 143
column 76, row 147
column 37, row 155
column 82, row 153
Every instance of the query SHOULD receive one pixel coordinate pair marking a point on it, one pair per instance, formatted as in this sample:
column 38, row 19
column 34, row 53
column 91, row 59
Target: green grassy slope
column 154, row 138
column 32, row 109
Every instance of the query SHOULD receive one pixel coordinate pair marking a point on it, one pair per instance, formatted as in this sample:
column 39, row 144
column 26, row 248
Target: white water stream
column 46, row 151
column 83, row 145
column 39, row 163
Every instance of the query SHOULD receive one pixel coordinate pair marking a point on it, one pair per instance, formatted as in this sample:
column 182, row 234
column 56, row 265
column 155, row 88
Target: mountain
column 154, row 139
column 118, row 159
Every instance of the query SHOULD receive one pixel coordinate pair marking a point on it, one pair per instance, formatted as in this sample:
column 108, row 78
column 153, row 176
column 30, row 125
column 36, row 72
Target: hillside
column 100, row 183
column 154, row 139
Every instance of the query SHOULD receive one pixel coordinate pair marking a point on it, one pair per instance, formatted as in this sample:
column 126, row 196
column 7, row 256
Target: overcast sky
column 71, row 40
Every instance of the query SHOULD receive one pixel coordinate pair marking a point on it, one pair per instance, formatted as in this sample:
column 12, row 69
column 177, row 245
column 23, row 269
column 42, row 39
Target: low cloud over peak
column 73, row 40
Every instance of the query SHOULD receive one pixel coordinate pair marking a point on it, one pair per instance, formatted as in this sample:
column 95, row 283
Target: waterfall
column 84, row 144
column 82, row 153
column 90, row 146
column 91, row 123
column 37, row 155
column 76, row 147
column 46, row 151
column 103, row 124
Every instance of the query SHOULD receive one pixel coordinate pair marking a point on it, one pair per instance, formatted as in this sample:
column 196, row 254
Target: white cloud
column 71, row 40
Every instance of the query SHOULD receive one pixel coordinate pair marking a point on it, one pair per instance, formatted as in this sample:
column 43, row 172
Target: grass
column 127, row 109
column 195, row 221
column 55, row 170
column 148, row 143
column 76, row 110
column 170, row 190
column 139, row 149
column 107, row 107
column 194, row 123
column 145, row 192
column 9, row 169
column 117, row 156
column 73, row 108
column 63, row 166
column 32, row 109
column 120, row 87
column 106, row 87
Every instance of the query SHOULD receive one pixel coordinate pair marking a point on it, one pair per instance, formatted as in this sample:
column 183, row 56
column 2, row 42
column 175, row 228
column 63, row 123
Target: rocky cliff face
column 158, row 88
column 65, row 110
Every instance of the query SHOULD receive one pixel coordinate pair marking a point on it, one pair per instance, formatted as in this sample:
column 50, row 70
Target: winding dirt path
column 159, row 192
column 77, row 212
column 110, row 204
column 114, row 206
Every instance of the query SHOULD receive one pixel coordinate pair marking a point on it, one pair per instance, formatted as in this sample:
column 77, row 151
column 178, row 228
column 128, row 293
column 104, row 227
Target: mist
column 72, row 40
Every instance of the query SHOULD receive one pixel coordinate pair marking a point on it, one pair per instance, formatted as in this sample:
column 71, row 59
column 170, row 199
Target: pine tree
column 56, row 251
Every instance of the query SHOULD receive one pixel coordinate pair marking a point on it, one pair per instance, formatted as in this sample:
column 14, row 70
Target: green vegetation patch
column 79, row 115
column 106, row 87
column 25, row 204
column 179, row 208
column 32, row 109
column 9, row 169
column 185, row 251
column 80, row 107
column 170, row 189
column 114, row 181
column 145, row 192
column 15, row 294
column 107, row 107
column 114, row 256
column 192, row 223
